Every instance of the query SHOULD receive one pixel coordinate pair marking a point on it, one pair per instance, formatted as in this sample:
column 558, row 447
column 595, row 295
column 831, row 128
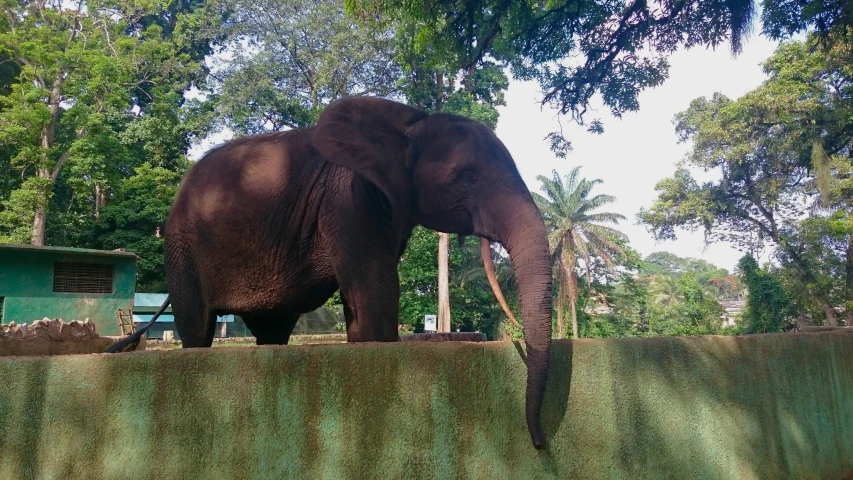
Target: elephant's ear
column 369, row 136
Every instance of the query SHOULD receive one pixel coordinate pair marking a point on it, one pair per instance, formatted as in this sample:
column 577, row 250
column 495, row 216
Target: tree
column 699, row 307
column 664, row 268
column 89, row 81
column 578, row 51
column 134, row 220
column 666, row 290
column 576, row 230
column 290, row 58
column 782, row 151
column 632, row 305
column 823, row 244
column 767, row 304
column 471, row 295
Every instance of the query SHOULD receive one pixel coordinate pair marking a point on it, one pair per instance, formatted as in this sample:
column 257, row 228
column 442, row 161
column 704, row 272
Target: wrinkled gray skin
column 270, row 226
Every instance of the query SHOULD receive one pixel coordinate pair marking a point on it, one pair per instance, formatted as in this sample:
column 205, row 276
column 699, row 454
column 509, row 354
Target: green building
column 66, row 283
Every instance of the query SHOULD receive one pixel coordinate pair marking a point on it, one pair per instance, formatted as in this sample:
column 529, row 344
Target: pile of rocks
column 51, row 337
column 54, row 329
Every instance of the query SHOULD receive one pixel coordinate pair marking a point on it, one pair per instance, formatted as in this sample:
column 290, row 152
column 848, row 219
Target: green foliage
column 596, row 49
column 134, row 219
column 663, row 305
column 17, row 214
column 94, row 127
column 767, row 305
column 97, row 90
column 474, row 305
column 783, row 151
column 631, row 306
column 698, row 309
column 665, row 268
column 575, row 231
column 291, row 58
column 669, row 295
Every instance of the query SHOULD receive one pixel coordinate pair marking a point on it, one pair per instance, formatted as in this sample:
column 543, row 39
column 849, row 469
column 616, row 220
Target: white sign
column 430, row 323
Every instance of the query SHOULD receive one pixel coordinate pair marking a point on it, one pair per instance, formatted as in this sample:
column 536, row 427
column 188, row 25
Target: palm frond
column 604, row 217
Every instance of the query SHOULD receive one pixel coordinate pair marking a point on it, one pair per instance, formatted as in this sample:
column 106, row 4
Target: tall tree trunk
column 99, row 200
column 48, row 134
column 561, row 326
column 573, row 302
column 40, row 214
column 443, row 240
column 828, row 311
column 443, row 283
column 849, row 281
column 569, row 274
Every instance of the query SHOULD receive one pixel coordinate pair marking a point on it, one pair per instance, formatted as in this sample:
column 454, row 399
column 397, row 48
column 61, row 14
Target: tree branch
column 62, row 159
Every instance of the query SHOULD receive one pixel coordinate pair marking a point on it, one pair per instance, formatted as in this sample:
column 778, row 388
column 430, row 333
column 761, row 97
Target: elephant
column 270, row 226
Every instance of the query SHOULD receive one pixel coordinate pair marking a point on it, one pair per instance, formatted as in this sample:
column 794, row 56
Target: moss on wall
column 764, row 406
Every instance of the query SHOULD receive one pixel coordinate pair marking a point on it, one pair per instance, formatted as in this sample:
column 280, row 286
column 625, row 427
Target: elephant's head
column 452, row 174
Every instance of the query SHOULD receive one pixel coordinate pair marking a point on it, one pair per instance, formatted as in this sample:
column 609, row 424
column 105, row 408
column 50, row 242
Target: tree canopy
column 96, row 121
column 583, row 51
column 783, row 156
column 287, row 59
column 89, row 93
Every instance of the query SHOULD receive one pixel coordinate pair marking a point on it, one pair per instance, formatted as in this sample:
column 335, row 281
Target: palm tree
column 576, row 231
column 666, row 290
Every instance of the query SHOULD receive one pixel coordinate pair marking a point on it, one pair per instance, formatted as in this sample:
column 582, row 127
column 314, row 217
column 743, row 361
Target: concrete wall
column 26, row 282
column 759, row 407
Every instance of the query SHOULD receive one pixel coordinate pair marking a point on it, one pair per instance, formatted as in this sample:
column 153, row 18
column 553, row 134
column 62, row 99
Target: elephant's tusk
column 486, row 253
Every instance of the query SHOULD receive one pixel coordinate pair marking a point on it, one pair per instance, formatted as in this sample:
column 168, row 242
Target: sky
column 634, row 152
column 638, row 150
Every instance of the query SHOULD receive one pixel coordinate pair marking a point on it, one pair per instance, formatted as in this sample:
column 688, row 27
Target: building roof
column 154, row 300
column 169, row 318
column 145, row 305
column 71, row 250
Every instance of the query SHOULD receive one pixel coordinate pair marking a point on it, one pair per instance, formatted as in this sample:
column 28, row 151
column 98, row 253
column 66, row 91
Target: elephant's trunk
column 523, row 234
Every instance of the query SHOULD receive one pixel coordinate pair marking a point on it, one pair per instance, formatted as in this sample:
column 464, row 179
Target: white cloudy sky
column 634, row 152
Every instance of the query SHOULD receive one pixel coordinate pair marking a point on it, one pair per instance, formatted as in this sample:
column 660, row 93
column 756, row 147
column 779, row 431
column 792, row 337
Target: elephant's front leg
column 371, row 295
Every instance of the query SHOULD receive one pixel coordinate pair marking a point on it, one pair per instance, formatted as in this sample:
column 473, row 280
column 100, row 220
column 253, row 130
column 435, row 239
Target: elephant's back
column 243, row 177
column 239, row 205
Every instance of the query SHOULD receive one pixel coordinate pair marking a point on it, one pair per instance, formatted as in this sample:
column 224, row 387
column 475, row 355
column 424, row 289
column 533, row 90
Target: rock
column 15, row 331
column 54, row 329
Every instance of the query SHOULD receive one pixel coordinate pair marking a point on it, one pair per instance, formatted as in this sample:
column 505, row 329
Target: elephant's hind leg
column 194, row 320
column 271, row 329
column 200, row 331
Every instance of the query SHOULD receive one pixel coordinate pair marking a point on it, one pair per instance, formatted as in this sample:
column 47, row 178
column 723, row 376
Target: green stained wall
column 26, row 283
column 760, row 407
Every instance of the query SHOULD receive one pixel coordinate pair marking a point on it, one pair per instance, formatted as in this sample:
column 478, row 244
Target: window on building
column 79, row 277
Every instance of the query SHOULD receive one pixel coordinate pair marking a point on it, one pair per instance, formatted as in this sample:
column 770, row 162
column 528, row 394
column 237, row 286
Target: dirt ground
column 250, row 341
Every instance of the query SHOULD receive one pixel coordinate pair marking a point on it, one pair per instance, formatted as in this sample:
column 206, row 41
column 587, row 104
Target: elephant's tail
column 129, row 343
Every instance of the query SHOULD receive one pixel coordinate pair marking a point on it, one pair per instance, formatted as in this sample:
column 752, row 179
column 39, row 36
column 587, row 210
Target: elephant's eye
column 467, row 176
